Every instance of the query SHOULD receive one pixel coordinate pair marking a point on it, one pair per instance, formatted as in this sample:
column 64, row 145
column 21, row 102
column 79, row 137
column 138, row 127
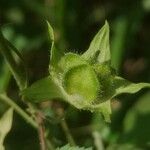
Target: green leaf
column 42, row 90
column 124, row 86
column 114, row 86
column 137, row 122
column 55, row 54
column 123, row 146
column 68, row 147
column 99, row 46
column 5, row 126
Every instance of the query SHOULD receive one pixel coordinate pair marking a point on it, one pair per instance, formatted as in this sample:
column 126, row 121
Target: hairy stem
column 22, row 113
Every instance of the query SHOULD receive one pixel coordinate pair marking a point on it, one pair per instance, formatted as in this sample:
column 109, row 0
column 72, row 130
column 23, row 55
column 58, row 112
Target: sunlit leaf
column 5, row 126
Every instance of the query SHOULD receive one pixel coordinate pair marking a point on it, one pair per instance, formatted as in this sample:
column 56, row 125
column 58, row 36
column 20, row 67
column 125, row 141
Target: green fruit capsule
column 71, row 60
column 82, row 80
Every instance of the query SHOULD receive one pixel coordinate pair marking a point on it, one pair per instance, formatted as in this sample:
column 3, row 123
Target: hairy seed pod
column 82, row 80
column 71, row 60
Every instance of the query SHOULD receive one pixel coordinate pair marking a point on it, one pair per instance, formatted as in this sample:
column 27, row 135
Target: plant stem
column 41, row 131
column 15, row 69
column 50, row 145
column 22, row 113
column 64, row 126
column 4, row 78
column 98, row 141
column 67, row 132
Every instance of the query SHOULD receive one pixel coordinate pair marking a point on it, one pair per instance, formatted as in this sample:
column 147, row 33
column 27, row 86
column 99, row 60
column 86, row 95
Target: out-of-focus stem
column 4, row 78
column 41, row 131
column 64, row 126
column 67, row 132
column 22, row 113
column 15, row 69
column 118, row 42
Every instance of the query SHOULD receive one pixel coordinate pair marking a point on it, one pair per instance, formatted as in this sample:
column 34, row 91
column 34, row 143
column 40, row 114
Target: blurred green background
column 75, row 22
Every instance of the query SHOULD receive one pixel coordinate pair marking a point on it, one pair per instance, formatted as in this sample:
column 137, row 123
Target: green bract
column 85, row 81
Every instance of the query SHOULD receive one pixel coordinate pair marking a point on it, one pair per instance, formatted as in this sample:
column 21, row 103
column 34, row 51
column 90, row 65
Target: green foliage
column 136, row 122
column 55, row 53
column 5, row 126
column 87, row 82
column 40, row 90
column 68, row 147
column 125, row 86
column 75, row 22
